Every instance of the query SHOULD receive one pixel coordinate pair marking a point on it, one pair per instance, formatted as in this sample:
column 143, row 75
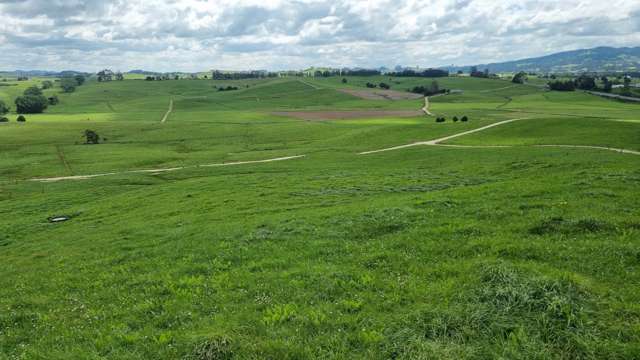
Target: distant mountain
column 43, row 73
column 600, row 59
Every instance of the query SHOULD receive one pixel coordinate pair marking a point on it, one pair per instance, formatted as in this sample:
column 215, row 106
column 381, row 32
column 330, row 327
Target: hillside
column 597, row 59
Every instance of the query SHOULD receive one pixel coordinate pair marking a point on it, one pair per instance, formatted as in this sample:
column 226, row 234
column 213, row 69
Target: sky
column 199, row 35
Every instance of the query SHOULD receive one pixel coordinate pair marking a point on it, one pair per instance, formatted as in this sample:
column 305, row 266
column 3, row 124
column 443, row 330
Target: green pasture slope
column 427, row 252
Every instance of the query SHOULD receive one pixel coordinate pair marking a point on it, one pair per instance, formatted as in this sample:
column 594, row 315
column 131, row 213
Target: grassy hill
column 492, row 248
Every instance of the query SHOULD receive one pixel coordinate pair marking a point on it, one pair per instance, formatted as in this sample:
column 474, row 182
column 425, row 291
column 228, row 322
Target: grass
column 425, row 252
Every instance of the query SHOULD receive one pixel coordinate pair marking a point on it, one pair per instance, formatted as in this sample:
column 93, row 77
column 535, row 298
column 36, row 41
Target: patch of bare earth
column 381, row 94
column 345, row 115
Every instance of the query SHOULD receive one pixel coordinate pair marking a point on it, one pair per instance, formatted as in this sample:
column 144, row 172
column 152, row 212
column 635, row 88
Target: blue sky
column 195, row 35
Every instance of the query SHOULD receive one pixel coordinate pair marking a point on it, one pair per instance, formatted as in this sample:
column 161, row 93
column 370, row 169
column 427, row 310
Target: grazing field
column 483, row 246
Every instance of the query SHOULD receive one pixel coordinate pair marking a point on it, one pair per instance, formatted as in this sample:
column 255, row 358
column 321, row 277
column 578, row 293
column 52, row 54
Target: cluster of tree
column 519, row 78
column 559, row 85
column 422, row 73
column 108, row 75
column 430, row 90
column 228, row 88
column 582, row 82
column 239, row 75
column 481, row 74
column 4, row 108
column 32, row 101
column 455, row 119
column 359, row 72
column 22, row 78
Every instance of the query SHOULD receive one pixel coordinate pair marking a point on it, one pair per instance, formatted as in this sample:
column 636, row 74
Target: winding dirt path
column 425, row 109
column 166, row 115
column 163, row 170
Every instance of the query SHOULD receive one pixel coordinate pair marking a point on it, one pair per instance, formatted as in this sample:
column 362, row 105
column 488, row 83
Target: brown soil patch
column 343, row 115
column 381, row 94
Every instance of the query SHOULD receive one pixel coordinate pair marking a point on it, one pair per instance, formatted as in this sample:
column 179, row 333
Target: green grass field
column 428, row 252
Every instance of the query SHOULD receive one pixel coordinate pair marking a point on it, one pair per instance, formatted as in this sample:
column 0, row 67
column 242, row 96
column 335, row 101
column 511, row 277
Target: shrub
column 91, row 137
column 47, row 84
column 21, row 118
column 3, row 119
column 384, row 86
column 344, row 80
column 68, row 84
column 464, row 118
column 440, row 119
column 3, row 108
column 371, row 86
column 53, row 100
column 31, row 104
column 455, row 119
column 33, row 91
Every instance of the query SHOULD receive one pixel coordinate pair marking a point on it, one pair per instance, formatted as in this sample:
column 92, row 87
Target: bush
column 384, row 86
column 3, row 120
column 455, row 119
column 33, row 91
column 440, row 119
column 464, row 119
column 371, row 86
column 53, row 100
column 47, row 84
column 31, row 104
column 68, row 84
column 21, row 118
column 3, row 108
column 91, row 137
column 344, row 80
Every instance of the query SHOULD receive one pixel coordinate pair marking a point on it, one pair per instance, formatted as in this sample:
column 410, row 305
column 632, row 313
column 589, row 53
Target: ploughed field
column 237, row 229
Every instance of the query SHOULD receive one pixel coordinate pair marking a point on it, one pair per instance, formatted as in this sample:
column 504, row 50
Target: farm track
column 164, row 170
column 437, row 142
column 169, row 111
column 63, row 159
column 315, row 87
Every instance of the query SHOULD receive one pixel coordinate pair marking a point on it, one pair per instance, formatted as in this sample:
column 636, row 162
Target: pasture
column 488, row 245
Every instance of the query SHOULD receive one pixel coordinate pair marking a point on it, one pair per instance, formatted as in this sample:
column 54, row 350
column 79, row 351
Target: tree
column 585, row 82
column 344, row 80
column 31, row 104
column 53, row 100
column 91, row 137
column 607, row 85
column 4, row 108
column 79, row 79
column 47, row 84
column 21, row 118
column 440, row 119
column 434, row 88
column 384, row 86
column 33, row 91
column 627, row 82
column 519, row 78
column 105, row 75
column 455, row 119
column 464, row 119
column 68, row 84
column 119, row 76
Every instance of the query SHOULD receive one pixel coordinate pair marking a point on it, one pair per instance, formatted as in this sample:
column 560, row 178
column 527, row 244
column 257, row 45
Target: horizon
column 194, row 36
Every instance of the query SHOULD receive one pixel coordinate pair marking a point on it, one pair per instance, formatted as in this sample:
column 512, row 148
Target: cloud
column 193, row 35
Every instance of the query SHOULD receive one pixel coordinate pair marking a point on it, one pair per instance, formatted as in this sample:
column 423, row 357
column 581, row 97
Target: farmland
column 191, row 244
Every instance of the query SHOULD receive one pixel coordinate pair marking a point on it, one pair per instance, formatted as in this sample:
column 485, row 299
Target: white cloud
column 194, row 35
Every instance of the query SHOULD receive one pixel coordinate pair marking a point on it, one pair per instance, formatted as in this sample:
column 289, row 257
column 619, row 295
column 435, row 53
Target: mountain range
column 599, row 59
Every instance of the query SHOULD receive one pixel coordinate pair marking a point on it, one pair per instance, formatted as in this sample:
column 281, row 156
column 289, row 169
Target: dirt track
column 163, row 170
column 350, row 114
column 166, row 115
